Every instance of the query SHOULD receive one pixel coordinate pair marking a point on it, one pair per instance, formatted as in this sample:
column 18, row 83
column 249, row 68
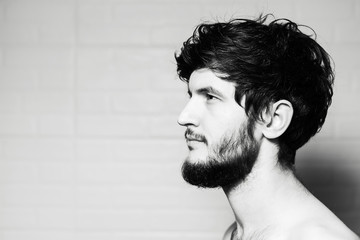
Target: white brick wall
column 89, row 145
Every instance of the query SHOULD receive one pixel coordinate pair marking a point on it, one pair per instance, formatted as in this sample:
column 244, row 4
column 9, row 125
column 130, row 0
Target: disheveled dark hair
column 268, row 62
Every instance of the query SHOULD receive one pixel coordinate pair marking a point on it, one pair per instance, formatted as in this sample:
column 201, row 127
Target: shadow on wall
column 335, row 181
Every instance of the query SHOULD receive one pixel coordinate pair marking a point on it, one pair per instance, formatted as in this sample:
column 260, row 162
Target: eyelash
column 207, row 96
column 210, row 97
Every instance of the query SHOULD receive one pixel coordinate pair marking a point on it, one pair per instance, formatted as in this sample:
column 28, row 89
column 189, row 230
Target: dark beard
column 233, row 160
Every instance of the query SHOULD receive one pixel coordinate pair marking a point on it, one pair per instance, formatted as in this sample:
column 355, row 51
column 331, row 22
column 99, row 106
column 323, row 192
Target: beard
column 229, row 163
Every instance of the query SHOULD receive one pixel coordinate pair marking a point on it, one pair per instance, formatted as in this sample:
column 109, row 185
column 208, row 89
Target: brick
column 48, row 102
column 1, row 152
column 95, row 56
column 165, row 126
column 328, row 129
column 10, row 103
column 95, row 13
column 18, row 218
column 125, row 175
column 40, row 218
column 168, row 80
column 149, row 102
column 324, row 32
column 153, row 57
column 1, row 57
column 97, row 196
column 345, row 82
column 158, row 220
column 56, row 125
column 279, row 8
column 93, row 103
column 345, row 32
column 158, row 235
column 111, row 78
column 354, row 83
column 342, row 10
column 347, row 127
column 172, row 36
column 56, row 78
column 118, row 69
column 38, row 234
column 2, row 12
column 157, row 151
column 18, row 33
column 13, row 79
column 94, row 150
column 126, row 126
column 40, row 12
column 112, row 34
column 57, row 33
column 18, row 173
column 16, row 124
column 64, row 220
column 342, row 104
column 123, row 198
column 39, row 149
column 57, row 173
column 39, row 56
column 163, row 13
column 129, row 13
column 155, row 14
column 93, row 175
column 19, row 195
column 345, row 58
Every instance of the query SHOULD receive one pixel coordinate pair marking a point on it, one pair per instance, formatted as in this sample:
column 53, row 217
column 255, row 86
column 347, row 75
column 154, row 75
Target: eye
column 210, row 97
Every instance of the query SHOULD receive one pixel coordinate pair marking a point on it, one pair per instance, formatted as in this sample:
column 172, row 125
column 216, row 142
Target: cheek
column 221, row 120
column 224, row 128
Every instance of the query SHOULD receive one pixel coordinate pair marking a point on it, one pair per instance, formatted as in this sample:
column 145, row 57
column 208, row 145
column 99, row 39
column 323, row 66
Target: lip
column 193, row 140
column 193, row 143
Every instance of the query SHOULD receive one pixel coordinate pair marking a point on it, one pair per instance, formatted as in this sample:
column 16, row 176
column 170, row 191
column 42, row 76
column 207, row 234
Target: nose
column 189, row 116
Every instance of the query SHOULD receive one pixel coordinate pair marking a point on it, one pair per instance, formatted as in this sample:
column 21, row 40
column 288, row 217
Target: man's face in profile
column 222, row 149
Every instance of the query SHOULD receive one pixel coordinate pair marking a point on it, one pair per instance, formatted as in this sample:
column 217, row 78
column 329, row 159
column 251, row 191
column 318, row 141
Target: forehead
column 204, row 78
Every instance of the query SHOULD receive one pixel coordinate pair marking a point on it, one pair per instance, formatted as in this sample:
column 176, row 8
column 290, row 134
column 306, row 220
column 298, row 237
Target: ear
column 277, row 119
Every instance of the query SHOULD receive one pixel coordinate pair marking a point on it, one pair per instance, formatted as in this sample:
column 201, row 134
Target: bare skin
column 273, row 204
column 270, row 204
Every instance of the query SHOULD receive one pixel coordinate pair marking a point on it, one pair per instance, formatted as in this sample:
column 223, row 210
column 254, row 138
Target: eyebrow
column 207, row 90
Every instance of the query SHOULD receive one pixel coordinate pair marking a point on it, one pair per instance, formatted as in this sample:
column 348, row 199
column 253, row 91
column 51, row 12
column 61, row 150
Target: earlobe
column 277, row 119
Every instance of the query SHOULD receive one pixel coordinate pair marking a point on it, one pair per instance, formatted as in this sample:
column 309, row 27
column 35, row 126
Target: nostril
column 181, row 120
column 188, row 116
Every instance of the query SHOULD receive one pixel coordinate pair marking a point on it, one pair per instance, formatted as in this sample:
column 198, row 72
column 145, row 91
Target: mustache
column 191, row 135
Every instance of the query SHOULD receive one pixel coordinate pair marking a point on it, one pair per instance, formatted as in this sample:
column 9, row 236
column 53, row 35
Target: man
column 258, row 92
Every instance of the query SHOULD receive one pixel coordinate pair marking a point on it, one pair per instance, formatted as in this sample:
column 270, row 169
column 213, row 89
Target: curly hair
column 267, row 62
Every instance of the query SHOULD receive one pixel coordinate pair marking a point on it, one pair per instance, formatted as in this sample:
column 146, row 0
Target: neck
column 266, row 198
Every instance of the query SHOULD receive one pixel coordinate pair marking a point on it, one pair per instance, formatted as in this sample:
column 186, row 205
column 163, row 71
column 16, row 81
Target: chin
column 197, row 156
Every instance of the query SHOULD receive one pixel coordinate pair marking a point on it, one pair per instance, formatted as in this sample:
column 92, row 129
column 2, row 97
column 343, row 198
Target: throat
column 257, row 235
column 264, row 202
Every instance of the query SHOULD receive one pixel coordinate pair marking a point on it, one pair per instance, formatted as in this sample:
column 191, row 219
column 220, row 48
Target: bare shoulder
column 322, row 232
column 229, row 231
